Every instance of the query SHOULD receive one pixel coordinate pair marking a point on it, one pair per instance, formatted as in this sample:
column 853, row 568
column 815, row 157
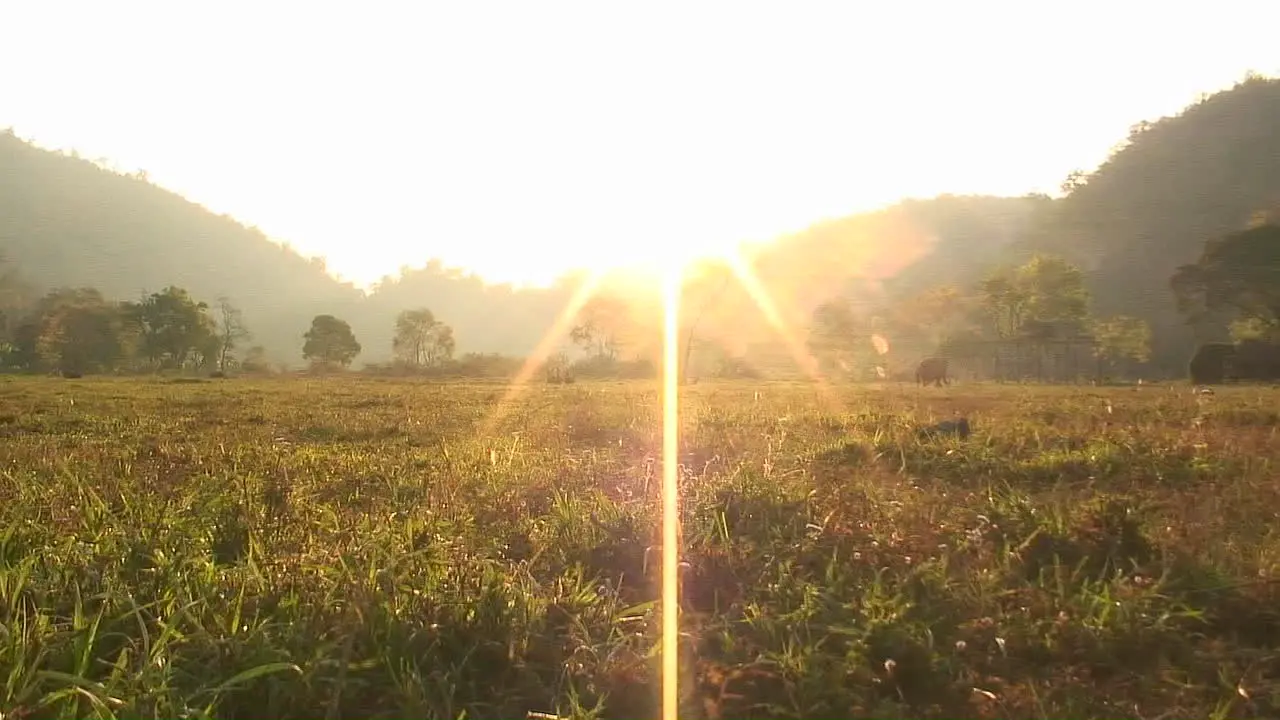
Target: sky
column 518, row 139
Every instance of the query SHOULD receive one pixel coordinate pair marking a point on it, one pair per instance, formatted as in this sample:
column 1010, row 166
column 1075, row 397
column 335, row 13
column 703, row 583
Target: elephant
column 1251, row 360
column 1211, row 363
column 932, row 370
column 1256, row 360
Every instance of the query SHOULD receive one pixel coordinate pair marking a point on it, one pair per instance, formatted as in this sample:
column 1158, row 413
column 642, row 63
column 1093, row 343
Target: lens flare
column 672, row 279
column 670, row 495
column 546, row 345
column 881, row 345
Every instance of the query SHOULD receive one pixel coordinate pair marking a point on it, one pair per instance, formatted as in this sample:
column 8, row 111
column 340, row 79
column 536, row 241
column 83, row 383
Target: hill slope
column 1170, row 186
column 67, row 222
column 896, row 252
column 1176, row 183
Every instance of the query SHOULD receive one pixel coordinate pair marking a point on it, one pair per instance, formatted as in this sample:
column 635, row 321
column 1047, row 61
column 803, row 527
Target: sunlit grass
column 352, row 548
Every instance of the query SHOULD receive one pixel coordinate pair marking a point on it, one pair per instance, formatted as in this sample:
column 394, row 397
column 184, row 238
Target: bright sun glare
column 657, row 259
column 666, row 264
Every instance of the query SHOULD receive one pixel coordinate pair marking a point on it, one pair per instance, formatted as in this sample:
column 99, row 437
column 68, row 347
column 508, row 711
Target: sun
column 654, row 259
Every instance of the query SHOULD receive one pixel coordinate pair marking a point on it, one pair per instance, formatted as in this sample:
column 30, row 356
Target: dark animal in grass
column 72, row 374
column 1251, row 360
column 1255, row 360
column 958, row 427
column 1211, row 362
column 932, row 370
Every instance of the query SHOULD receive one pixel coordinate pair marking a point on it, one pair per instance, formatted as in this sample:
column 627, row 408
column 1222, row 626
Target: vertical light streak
column 670, row 495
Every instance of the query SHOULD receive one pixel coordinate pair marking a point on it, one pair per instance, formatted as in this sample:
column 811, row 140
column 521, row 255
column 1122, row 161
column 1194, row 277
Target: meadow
column 355, row 547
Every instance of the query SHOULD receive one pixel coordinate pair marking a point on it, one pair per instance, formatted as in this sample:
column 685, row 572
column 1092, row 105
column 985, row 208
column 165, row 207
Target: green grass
column 336, row 548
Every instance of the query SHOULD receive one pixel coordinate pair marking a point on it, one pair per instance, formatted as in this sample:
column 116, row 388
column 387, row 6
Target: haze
column 519, row 140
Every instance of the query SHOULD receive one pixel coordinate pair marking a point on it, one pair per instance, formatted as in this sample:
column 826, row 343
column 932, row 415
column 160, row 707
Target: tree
column 72, row 331
column 421, row 340
column 413, row 332
column 1122, row 338
column 1005, row 302
column 933, row 316
column 1056, row 292
column 839, row 340
column 442, row 345
column 1246, row 329
column 14, row 296
column 602, row 320
column 1046, row 296
column 1075, row 180
column 231, row 330
column 207, row 350
column 1238, row 274
column 330, row 342
column 255, row 360
column 172, row 327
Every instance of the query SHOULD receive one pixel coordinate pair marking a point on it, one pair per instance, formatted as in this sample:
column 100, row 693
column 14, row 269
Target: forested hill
column 907, row 248
column 1172, row 185
column 64, row 221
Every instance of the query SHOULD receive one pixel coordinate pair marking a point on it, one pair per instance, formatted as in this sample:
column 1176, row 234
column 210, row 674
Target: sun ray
column 672, row 279
column 543, row 350
column 670, row 494
column 760, row 296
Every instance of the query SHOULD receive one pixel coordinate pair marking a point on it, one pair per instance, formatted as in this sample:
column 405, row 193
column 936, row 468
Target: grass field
column 342, row 548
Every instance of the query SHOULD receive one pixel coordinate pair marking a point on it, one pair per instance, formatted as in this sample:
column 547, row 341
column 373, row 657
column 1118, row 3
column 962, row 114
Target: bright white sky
column 521, row 138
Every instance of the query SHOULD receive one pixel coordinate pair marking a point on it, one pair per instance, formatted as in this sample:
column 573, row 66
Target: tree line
column 1015, row 319
column 1035, row 319
column 79, row 331
column 1020, row 317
